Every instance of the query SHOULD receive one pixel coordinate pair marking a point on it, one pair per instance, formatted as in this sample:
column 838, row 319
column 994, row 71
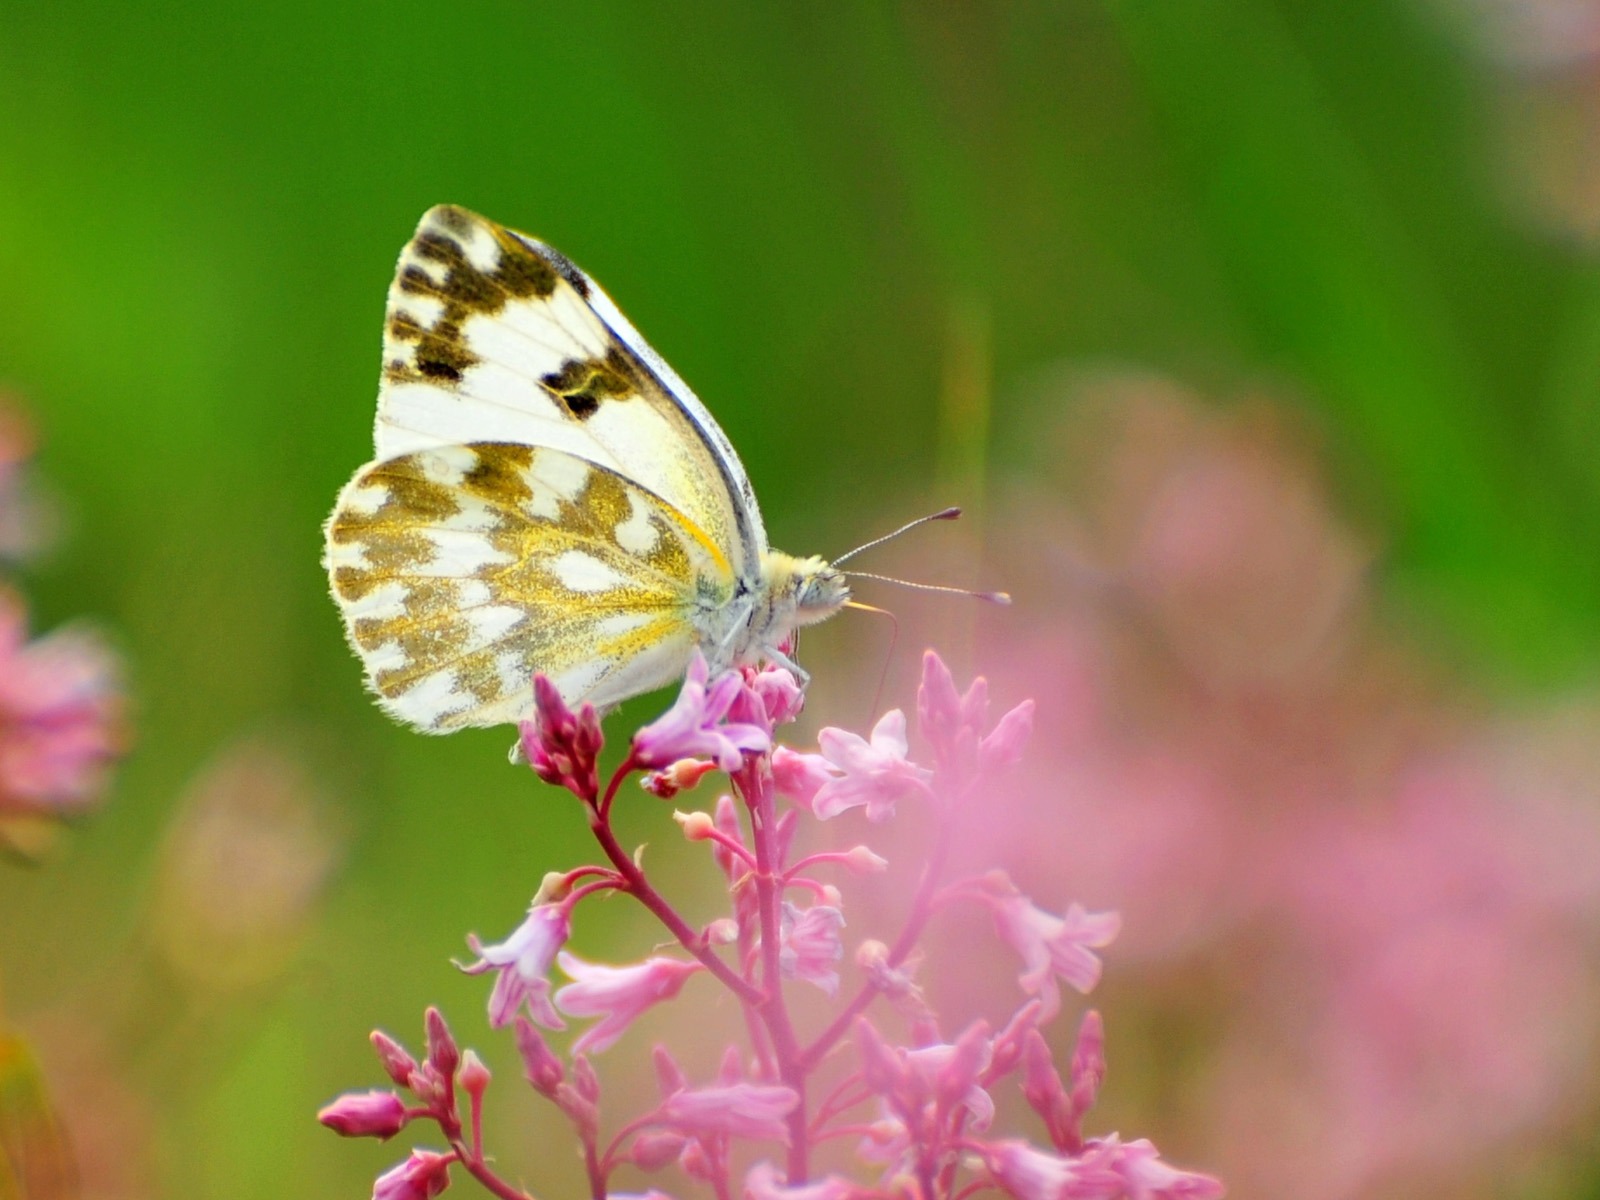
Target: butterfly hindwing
column 492, row 336
column 462, row 570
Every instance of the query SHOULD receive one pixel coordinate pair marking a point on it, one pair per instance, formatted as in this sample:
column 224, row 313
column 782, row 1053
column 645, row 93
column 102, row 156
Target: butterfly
column 546, row 495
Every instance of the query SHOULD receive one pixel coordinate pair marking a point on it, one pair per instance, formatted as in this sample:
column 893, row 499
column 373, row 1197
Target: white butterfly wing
column 491, row 336
column 463, row 570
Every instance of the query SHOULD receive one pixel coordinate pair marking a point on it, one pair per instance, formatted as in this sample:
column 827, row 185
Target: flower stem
column 642, row 890
column 754, row 784
column 921, row 910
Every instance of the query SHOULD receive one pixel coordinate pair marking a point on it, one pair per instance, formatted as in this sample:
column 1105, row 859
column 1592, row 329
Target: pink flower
column 422, row 1176
column 365, row 1114
column 1108, row 1169
column 875, row 773
column 1051, row 945
column 764, row 1182
column 1146, row 1177
column 60, row 717
column 694, row 727
column 745, row 1110
column 561, row 746
column 1031, row 1174
column 523, row 962
column 799, row 776
column 950, row 1071
column 1003, row 746
column 616, row 994
column 811, row 944
column 779, row 692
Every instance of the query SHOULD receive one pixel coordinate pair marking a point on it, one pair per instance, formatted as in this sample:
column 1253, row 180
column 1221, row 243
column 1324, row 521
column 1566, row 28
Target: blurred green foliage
column 200, row 206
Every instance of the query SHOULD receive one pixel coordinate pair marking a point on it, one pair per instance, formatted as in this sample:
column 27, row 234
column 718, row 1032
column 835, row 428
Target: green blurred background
column 812, row 212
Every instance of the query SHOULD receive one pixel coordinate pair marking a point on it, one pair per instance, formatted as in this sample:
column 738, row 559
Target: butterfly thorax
column 764, row 612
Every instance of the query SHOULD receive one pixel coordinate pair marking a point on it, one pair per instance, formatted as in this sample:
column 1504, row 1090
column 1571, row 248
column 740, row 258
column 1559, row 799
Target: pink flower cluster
column 879, row 1071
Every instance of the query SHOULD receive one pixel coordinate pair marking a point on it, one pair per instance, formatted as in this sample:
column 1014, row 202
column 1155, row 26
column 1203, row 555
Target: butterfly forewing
column 462, row 570
column 492, row 336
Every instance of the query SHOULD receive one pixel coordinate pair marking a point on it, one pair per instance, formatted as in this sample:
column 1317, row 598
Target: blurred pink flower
column 1396, row 884
column 60, row 717
column 874, row 773
column 616, row 994
column 743, row 1110
column 812, row 945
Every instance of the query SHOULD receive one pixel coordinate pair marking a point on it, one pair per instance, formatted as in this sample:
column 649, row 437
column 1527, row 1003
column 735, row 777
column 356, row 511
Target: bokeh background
column 1261, row 341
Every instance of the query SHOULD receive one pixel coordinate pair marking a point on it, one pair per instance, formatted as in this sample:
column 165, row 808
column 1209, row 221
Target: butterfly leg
column 783, row 660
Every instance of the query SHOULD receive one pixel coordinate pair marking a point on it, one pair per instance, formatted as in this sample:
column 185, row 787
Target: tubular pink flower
column 744, row 1110
column 523, row 961
column 1051, row 945
column 875, row 773
column 365, row 1114
column 616, row 994
column 420, row 1177
column 811, row 944
column 60, row 717
column 694, row 727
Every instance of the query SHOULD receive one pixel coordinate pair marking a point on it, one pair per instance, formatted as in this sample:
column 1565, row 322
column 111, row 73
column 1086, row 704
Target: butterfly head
column 820, row 590
column 808, row 590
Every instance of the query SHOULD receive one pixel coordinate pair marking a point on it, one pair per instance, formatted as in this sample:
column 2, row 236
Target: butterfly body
column 546, row 496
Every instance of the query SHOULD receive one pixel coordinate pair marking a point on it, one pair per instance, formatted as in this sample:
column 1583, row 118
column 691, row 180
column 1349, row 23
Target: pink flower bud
column 443, row 1054
column 654, row 1150
column 1088, row 1063
column 697, row 826
column 584, row 1079
column 679, row 777
column 365, row 1114
column 1003, row 747
column 421, row 1177
column 397, row 1063
column 881, row 1066
column 541, row 1067
column 561, row 746
column 474, row 1077
column 669, row 1075
column 863, row 861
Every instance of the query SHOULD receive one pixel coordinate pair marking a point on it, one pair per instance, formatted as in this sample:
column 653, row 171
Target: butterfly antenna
column 989, row 597
column 944, row 514
column 888, row 657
